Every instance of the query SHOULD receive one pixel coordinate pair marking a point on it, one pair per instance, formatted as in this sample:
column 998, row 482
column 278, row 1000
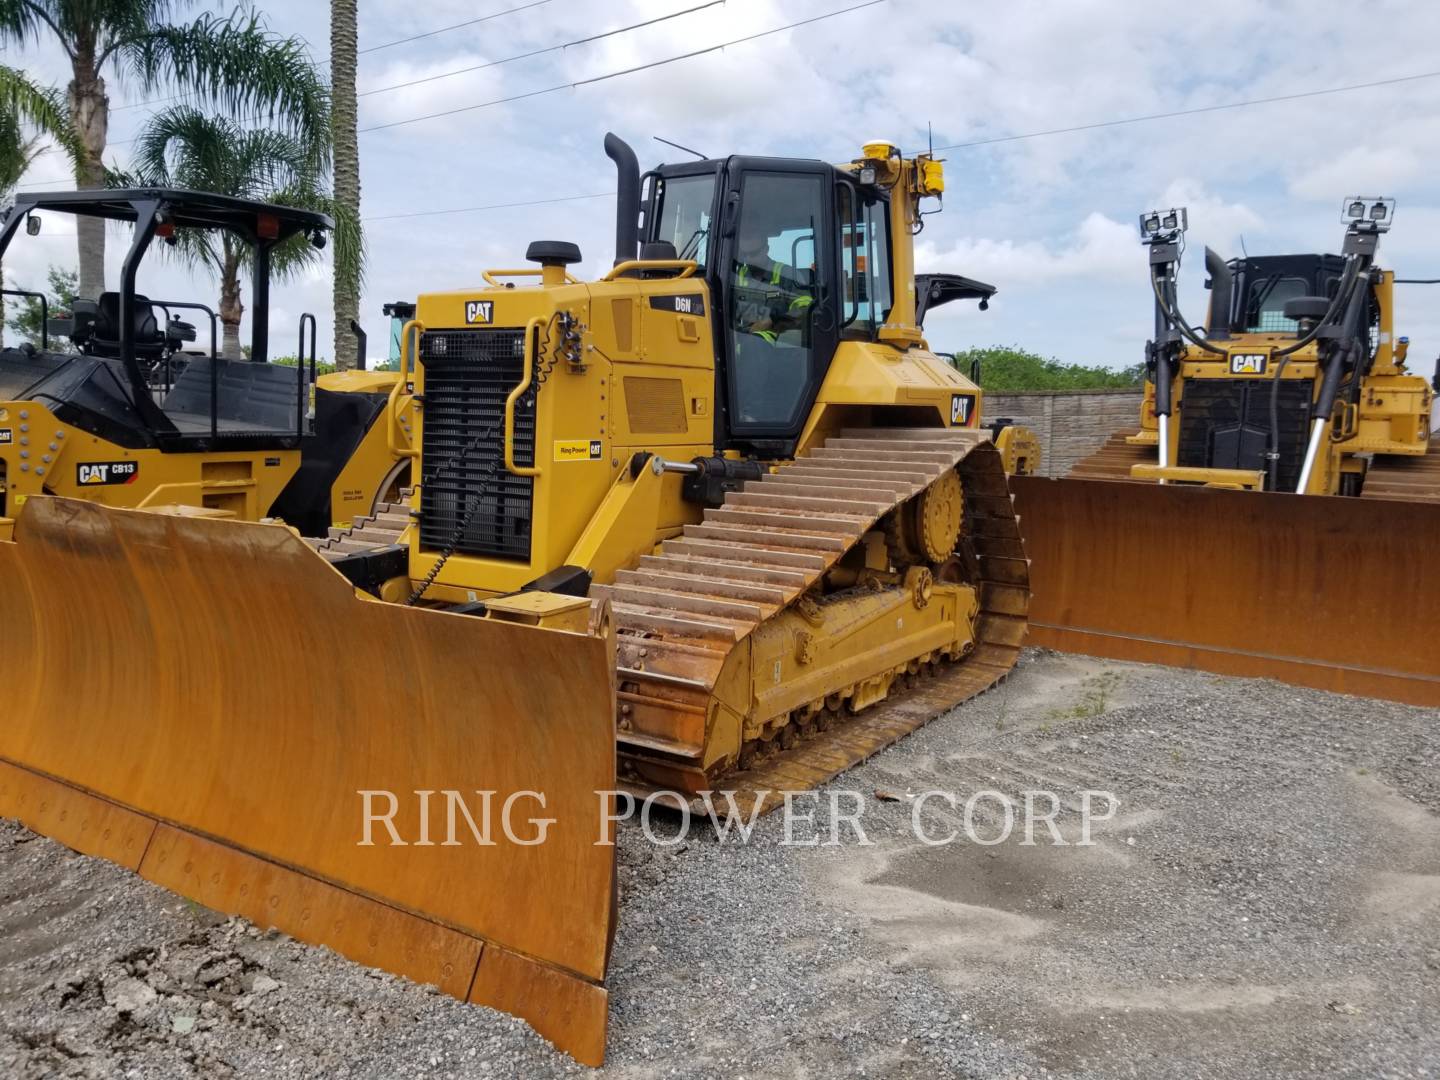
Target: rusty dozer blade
column 1340, row 594
column 207, row 703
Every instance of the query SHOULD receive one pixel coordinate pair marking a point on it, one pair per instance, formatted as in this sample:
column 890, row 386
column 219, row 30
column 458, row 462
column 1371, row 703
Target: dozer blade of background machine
column 1341, row 594
column 208, row 704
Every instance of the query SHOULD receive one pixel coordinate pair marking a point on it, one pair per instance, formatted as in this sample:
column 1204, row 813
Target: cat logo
column 1248, row 363
column 479, row 312
column 106, row 473
column 962, row 407
column 7, row 436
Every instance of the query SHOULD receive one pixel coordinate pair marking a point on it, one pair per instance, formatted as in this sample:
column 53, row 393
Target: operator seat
column 105, row 337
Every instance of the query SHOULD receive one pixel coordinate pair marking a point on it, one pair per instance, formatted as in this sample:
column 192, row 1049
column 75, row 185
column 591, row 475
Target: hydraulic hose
column 1273, row 457
column 1330, row 385
column 1342, row 297
column 1172, row 315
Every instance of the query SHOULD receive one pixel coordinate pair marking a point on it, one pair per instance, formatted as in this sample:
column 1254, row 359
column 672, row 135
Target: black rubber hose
column 1273, row 457
column 1342, row 297
column 1172, row 314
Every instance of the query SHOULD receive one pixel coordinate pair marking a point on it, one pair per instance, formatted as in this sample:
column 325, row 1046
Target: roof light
column 1160, row 225
column 1373, row 211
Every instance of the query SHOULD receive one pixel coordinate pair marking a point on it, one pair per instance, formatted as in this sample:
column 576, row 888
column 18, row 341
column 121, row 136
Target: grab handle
column 392, row 408
column 532, row 336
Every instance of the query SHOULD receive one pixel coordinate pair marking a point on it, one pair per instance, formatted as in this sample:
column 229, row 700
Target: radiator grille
column 655, row 406
column 468, row 376
column 1225, row 424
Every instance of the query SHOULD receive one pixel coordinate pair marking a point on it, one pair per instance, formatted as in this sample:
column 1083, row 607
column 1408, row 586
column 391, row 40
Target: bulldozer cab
column 1264, row 285
column 797, row 255
column 129, row 375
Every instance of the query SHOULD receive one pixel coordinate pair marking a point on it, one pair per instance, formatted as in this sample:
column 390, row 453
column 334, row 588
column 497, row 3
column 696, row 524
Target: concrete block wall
column 1071, row 423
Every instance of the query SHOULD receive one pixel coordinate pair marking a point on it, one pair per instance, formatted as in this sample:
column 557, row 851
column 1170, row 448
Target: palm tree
column 343, row 34
column 29, row 114
column 232, row 63
column 183, row 147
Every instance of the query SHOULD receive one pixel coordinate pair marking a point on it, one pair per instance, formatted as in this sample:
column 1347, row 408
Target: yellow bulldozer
column 1275, row 511
column 132, row 414
column 721, row 510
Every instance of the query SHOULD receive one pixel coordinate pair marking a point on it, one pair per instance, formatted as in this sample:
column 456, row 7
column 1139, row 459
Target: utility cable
column 542, row 52
column 452, row 26
column 622, row 72
column 1192, row 112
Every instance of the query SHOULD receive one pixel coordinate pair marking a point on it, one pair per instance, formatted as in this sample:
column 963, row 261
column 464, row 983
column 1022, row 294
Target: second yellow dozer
column 721, row 508
column 1276, row 512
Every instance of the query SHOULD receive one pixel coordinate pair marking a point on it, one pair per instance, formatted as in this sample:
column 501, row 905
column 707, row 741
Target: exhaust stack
column 1222, row 286
column 627, row 197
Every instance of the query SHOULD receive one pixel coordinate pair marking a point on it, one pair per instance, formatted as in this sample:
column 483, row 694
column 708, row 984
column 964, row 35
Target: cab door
column 776, row 276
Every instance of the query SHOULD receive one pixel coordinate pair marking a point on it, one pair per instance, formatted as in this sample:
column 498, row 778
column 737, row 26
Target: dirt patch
column 1261, row 903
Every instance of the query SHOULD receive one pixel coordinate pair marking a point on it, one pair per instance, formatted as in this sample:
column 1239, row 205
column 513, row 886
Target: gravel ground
column 1265, row 901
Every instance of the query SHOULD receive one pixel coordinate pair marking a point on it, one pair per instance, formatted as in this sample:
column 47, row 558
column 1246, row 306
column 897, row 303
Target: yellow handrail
column 687, row 267
column 392, row 409
column 492, row 276
column 532, row 334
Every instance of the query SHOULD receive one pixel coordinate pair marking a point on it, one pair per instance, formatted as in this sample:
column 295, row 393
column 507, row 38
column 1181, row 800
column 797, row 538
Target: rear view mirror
column 32, row 226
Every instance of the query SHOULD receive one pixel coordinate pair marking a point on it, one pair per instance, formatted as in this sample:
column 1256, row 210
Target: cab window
column 864, row 263
column 685, row 206
column 1266, row 310
column 773, row 296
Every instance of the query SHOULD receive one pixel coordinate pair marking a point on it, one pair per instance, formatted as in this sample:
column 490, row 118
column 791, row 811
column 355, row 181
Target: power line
column 453, row 26
column 625, row 71
column 492, row 206
column 542, row 52
column 358, row 52
column 1028, row 135
column 1191, row 112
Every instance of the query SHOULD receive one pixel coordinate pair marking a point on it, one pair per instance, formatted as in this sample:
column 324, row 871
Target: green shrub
column 1013, row 368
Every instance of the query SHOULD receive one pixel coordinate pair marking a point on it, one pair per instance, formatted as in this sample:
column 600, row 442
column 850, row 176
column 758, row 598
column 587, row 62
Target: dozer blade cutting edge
column 1336, row 593
column 204, row 702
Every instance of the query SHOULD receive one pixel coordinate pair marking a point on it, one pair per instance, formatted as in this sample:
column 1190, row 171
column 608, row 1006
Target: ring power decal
column 962, row 408
column 479, row 312
column 105, row 473
column 578, row 449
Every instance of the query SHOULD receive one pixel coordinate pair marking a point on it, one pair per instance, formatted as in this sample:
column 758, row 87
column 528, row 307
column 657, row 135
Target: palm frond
column 21, row 21
column 24, row 103
column 183, row 146
column 236, row 64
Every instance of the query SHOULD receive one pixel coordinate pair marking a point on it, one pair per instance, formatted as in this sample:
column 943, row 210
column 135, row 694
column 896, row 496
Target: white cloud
column 1098, row 248
column 1364, row 170
column 433, row 96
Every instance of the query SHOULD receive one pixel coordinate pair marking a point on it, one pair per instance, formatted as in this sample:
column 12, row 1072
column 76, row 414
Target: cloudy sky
column 1048, row 219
